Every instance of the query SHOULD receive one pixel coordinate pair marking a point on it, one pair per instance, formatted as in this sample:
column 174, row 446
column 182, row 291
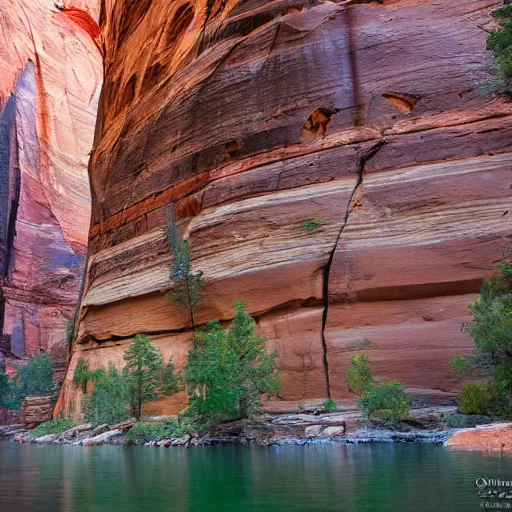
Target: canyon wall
column 49, row 89
column 333, row 164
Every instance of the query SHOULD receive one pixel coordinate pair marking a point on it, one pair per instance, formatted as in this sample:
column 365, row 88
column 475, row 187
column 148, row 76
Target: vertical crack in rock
column 327, row 269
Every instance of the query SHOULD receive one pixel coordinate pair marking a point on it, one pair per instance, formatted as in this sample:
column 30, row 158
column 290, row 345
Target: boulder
column 102, row 438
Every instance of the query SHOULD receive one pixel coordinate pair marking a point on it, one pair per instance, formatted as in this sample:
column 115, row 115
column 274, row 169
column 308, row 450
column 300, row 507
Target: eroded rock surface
column 249, row 119
column 49, row 89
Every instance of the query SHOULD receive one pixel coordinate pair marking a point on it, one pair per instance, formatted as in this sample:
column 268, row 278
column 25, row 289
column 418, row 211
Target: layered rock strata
column 333, row 164
column 49, row 88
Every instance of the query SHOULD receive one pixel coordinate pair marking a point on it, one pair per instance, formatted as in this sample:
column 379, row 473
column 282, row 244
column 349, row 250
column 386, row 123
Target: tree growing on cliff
column 144, row 364
column 229, row 370
column 188, row 283
column 491, row 330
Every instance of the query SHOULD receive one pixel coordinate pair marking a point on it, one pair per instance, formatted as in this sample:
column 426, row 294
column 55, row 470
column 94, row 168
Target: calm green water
column 385, row 477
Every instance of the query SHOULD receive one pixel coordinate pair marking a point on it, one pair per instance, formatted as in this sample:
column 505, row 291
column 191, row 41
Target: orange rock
column 486, row 439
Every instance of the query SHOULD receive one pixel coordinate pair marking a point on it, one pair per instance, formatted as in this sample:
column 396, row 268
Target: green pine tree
column 187, row 282
column 229, row 369
column 171, row 381
column 144, row 364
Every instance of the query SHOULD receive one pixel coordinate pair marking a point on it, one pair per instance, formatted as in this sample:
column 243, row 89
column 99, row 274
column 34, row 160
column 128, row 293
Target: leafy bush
column 463, row 421
column 142, row 433
column 229, row 370
column 358, row 375
column 5, row 387
column 474, row 399
column 313, row 224
column 33, row 379
column 491, row 330
column 110, row 400
column 386, row 401
column 82, row 374
column 143, row 369
column 499, row 42
column 461, row 364
column 53, row 427
column 330, row 405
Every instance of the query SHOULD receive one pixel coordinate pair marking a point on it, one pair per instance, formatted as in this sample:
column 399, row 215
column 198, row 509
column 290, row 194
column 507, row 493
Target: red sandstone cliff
column 49, row 89
column 252, row 117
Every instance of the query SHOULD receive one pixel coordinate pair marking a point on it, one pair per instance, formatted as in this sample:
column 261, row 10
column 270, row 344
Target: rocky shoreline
column 342, row 427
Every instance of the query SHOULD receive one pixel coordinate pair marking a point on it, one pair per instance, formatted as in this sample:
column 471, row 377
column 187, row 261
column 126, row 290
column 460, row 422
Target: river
column 348, row 478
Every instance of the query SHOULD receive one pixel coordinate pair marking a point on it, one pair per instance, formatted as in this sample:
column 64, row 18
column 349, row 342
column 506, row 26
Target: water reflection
column 362, row 478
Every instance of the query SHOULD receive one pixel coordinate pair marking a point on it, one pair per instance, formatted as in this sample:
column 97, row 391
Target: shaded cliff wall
column 49, row 89
column 251, row 118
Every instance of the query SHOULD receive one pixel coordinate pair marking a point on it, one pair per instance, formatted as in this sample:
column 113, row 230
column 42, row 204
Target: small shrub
column 313, row 224
column 330, row 405
column 499, row 42
column 474, row 399
column 82, row 374
column 386, row 401
column 110, row 400
column 183, row 424
column 359, row 376
column 461, row 364
column 53, row 427
column 142, row 433
column 5, row 387
column 463, row 421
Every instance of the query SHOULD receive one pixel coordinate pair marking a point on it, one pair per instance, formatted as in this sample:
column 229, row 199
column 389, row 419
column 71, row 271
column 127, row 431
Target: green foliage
column 313, row 224
column 463, row 421
column 229, row 370
column 82, row 374
column 5, row 387
column 461, row 364
column 53, row 427
column 358, row 375
column 110, row 400
column 499, row 42
column 491, row 330
column 330, row 405
column 143, row 368
column 474, row 399
column 171, row 381
column 33, row 379
column 187, row 282
column 386, row 400
column 142, row 432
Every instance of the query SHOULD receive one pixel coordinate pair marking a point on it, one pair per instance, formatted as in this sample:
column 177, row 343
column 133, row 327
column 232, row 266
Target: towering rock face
column 333, row 164
column 49, row 88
